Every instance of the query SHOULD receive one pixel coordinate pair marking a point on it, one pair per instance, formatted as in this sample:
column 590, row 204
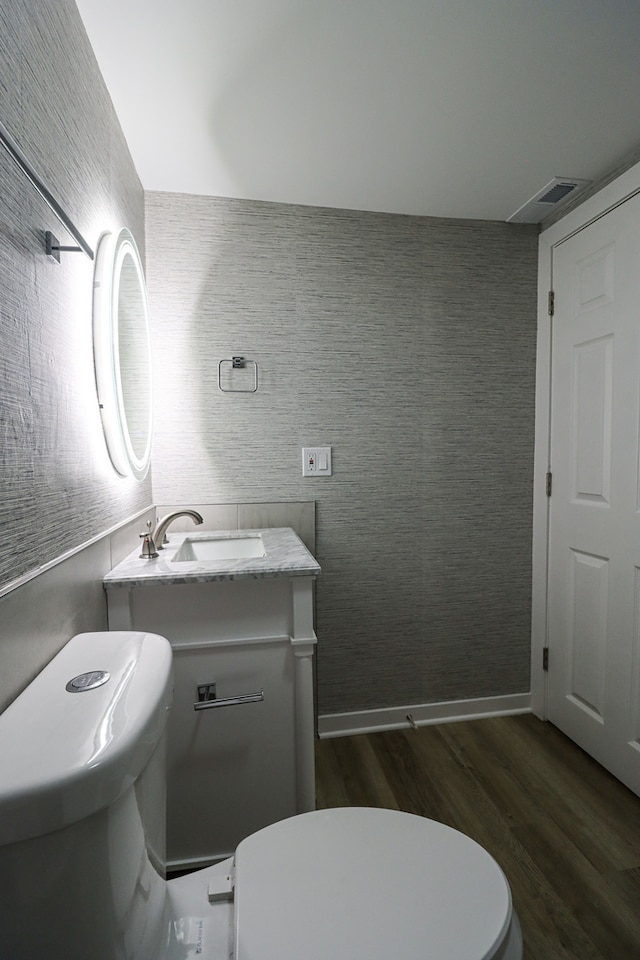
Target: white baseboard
column 419, row 715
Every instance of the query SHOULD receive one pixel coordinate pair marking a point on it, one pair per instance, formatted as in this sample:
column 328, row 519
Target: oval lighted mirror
column 122, row 349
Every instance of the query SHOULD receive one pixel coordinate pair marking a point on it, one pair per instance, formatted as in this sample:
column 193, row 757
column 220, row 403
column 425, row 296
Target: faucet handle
column 148, row 546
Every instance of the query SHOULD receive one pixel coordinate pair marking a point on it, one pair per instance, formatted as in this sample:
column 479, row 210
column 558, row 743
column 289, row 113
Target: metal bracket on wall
column 52, row 247
column 238, row 363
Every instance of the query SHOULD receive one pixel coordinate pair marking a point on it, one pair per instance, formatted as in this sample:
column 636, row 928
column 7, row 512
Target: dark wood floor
column 565, row 832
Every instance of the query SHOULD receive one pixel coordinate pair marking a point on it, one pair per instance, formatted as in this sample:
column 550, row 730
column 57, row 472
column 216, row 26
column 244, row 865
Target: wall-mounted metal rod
column 211, row 702
column 21, row 161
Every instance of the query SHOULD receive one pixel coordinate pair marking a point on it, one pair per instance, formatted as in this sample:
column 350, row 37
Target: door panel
column 588, row 637
column 591, row 407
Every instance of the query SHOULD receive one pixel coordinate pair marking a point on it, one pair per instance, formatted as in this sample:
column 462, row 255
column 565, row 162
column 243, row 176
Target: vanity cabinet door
column 232, row 769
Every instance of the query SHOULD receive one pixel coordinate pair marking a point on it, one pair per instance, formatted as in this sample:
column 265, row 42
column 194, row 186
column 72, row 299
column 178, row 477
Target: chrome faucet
column 160, row 533
column 148, row 546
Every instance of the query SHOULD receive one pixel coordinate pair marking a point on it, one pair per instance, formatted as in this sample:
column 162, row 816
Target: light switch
column 316, row 462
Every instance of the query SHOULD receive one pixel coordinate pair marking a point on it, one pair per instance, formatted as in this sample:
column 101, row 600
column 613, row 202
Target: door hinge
column 551, row 303
column 549, row 481
column 545, row 658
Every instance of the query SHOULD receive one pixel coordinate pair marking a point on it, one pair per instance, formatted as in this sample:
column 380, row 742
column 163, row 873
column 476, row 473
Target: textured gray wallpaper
column 406, row 344
column 57, row 487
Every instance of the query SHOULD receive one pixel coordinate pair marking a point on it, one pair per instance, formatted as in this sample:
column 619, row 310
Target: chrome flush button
column 87, row 681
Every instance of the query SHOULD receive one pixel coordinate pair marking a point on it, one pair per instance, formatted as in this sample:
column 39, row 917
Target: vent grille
column 553, row 193
column 557, row 193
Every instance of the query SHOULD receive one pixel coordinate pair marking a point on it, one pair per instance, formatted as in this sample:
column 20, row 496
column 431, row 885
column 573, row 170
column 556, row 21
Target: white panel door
column 594, row 535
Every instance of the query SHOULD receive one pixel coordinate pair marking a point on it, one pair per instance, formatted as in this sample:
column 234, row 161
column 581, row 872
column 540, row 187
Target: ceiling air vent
column 554, row 193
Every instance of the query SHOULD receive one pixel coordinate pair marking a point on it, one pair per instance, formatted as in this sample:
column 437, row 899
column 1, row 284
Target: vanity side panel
column 231, row 770
column 236, row 768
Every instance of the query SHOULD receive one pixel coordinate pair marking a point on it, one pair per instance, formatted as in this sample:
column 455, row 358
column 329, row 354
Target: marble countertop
column 285, row 556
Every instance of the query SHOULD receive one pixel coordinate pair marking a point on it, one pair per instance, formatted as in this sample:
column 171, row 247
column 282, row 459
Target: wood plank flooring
column 565, row 832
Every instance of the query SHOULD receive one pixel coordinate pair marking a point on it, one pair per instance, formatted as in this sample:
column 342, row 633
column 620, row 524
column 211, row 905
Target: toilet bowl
column 82, row 846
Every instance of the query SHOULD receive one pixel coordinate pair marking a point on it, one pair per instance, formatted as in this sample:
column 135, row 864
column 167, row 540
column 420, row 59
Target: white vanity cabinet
column 234, row 768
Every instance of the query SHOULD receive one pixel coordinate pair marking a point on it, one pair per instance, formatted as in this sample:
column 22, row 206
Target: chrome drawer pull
column 207, row 698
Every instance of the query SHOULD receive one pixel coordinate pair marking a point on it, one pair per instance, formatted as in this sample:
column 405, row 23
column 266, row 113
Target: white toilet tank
column 82, row 803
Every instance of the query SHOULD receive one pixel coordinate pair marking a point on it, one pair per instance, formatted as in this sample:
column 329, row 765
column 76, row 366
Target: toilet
column 82, row 823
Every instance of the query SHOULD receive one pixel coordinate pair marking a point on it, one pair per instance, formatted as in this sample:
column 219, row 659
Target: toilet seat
column 353, row 883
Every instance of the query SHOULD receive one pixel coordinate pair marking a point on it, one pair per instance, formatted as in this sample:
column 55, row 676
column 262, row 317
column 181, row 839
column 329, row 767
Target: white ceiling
column 451, row 108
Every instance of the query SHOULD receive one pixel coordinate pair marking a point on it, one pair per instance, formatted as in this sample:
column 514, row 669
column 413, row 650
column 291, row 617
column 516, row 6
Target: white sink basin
column 212, row 549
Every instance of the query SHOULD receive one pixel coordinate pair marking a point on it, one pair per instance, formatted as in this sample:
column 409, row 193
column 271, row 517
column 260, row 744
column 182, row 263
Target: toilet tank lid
column 65, row 755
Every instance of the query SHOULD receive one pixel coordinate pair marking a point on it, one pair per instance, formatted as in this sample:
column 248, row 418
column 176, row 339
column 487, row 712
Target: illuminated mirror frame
column 113, row 251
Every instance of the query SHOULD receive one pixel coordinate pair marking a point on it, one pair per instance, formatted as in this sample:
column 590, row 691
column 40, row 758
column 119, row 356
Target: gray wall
column 408, row 345
column 57, row 487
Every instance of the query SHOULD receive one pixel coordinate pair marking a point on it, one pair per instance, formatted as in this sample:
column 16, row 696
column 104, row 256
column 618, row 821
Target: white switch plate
column 316, row 462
